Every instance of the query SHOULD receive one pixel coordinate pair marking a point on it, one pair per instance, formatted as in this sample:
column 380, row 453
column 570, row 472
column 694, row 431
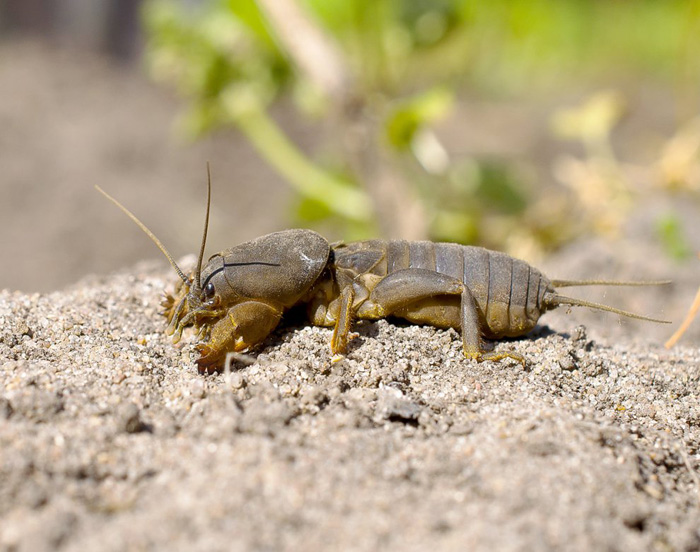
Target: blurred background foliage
column 376, row 78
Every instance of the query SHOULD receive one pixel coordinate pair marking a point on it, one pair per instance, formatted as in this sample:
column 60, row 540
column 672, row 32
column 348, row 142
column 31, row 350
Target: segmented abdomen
column 508, row 292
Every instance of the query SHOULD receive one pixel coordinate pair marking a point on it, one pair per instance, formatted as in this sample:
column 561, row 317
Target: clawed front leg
column 243, row 326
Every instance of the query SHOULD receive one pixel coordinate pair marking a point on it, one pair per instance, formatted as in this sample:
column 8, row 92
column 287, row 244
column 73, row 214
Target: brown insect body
column 482, row 293
column 427, row 281
column 238, row 298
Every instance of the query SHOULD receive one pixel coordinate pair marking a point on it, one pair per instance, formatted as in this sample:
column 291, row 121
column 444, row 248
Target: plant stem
column 307, row 178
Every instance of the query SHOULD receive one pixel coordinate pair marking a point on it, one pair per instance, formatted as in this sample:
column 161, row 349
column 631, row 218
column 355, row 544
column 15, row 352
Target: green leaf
column 248, row 13
column 454, row 227
column 669, row 229
column 499, row 190
column 410, row 115
column 312, row 210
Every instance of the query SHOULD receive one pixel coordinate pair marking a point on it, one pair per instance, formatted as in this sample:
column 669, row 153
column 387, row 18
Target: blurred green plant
column 380, row 75
column 223, row 59
column 671, row 235
column 606, row 189
column 597, row 181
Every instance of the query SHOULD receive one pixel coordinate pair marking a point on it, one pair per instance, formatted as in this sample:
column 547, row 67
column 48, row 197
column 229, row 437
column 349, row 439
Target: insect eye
column 209, row 290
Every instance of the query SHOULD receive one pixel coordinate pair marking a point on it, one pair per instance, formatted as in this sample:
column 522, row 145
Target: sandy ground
column 111, row 440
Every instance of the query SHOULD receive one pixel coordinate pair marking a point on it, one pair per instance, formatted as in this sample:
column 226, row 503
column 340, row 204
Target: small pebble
column 129, row 418
column 566, row 362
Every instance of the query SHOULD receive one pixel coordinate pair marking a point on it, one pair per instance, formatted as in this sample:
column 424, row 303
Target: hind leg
column 422, row 296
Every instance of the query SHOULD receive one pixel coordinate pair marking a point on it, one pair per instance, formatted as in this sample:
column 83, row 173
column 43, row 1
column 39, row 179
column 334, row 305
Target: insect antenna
column 552, row 300
column 570, row 283
column 198, row 274
column 148, row 233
